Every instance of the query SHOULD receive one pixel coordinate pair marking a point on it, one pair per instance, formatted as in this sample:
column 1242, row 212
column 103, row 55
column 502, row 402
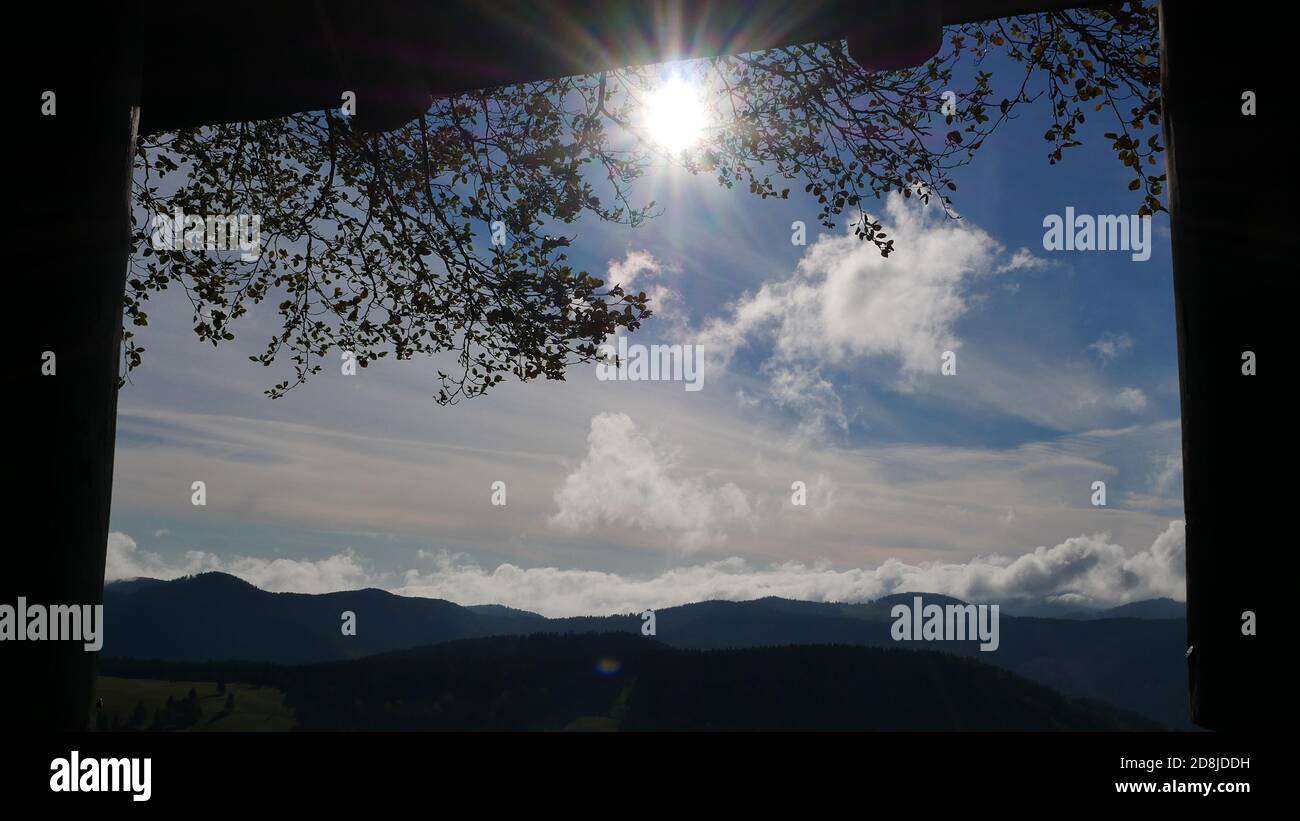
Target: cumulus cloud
column 342, row 571
column 633, row 266
column 1131, row 399
column 125, row 560
column 1024, row 260
column 845, row 302
column 666, row 302
column 1088, row 569
column 628, row 479
column 1109, row 346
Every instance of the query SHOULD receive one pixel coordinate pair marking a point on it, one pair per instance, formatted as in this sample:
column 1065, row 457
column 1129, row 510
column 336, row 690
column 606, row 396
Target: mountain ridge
column 1132, row 663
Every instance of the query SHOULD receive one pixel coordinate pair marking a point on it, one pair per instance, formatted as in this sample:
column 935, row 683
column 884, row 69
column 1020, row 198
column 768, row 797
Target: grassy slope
column 256, row 708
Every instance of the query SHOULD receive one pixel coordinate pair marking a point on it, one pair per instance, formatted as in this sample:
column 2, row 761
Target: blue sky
column 822, row 367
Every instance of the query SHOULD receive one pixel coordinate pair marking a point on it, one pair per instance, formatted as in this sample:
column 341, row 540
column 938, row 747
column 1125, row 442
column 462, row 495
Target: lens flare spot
column 608, row 666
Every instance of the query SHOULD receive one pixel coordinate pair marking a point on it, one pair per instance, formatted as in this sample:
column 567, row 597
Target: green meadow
column 254, row 709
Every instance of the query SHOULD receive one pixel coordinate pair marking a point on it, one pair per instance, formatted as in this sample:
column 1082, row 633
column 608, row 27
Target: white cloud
column 1085, row 569
column 810, row 395
column 1131, row 399
column 342, row 571
column 1169, row 472
column 845, row 300
column 1125, row 399
column 1109, row 346
column 125, row 561
column 892, row 500
column 626, row 479
column 1024, row 260
column 633, row 266
column 668, row 307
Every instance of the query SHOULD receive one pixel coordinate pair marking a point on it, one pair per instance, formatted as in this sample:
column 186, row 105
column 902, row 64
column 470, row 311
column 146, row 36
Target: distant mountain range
column 617, row 681
column 1130, row 657
column 1145, row 609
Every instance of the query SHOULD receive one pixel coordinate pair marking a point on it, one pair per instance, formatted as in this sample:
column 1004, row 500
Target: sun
column 675, row 116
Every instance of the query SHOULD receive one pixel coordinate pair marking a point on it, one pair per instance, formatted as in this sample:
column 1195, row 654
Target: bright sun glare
column 675, row 115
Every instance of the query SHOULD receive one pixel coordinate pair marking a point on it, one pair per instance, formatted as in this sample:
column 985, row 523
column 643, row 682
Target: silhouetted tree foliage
column 175, row 714
column 380, row 245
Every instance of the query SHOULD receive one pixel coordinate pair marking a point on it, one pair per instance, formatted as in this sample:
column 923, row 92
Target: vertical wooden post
column 69, row 291
column 1230, row 252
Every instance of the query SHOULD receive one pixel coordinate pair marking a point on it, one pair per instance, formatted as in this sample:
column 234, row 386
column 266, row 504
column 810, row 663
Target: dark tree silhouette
column 379, row 244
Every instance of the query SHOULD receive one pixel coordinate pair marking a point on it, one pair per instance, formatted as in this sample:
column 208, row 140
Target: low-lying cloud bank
column 342, row 571
column 1084, row 569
